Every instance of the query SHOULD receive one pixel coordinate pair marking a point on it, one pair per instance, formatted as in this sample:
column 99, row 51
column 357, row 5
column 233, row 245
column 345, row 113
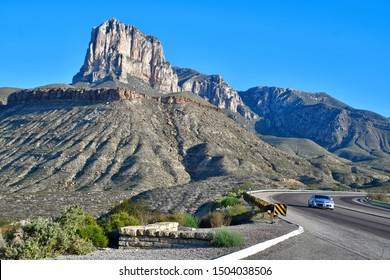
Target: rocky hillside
column 118, row 52
column 120, row 55
column 72, row 143
column 347, row 132
column 214, row 89
column 130, row 124
column 5, row 92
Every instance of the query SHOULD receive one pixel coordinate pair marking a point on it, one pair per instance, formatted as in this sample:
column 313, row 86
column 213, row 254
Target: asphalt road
column 351, row 231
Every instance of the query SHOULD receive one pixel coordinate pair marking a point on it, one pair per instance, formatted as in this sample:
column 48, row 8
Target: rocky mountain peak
column 214, row 89
column 117, row 52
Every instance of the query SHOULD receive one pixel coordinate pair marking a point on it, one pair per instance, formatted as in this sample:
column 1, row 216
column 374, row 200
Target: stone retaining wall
column 163, row 235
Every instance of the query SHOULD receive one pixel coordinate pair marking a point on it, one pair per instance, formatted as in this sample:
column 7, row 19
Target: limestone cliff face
column 117, row 51
column 214, row 89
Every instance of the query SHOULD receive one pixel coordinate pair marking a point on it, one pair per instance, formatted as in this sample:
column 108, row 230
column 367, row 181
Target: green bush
column 175, row 217
column 70, row 233
column 92, row 231
column 39, row 239
column 137, row 209
column 235, row 210
column 123, row 219
column 230, row 201
column 226, row 238
column 190, row 221
column 112, row 223
column 184, row 219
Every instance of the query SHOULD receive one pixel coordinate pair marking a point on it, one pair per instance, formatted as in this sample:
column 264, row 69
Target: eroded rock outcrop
column 117, row 51
column 40, row 95
column 214, row 89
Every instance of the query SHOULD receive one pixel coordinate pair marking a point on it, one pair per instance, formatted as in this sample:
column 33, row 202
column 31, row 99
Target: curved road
column 351, row 231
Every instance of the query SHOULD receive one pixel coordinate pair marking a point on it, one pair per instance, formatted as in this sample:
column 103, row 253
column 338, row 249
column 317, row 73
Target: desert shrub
column 380, row 196
column 232, row 194
column 113, row 222
column 237, row 191
column 138, row 209
column 71, row 218
column 123, row 219
column 235, row 210
column 49, row 238
column 215, row 220
column 184, row 219
column 80, row 246
column 174, row 217
column 7, row 229
column 190, row 221
column 92, row 231
column 226, row 238
column 229, row 201
column 36, row 240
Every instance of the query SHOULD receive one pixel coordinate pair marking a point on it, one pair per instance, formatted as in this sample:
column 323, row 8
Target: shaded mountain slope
column 347, row 132
column 138, row 144
column 302, row 147
column 121, row 55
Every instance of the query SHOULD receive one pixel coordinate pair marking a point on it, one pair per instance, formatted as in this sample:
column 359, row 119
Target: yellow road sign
column 280, row 209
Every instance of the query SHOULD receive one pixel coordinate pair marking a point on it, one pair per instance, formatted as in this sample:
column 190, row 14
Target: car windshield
column 322, row 196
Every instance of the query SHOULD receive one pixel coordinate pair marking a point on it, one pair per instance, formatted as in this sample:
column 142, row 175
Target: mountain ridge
column 132, row 123
column 122, row 56
column 348, row 132
column 66, row 143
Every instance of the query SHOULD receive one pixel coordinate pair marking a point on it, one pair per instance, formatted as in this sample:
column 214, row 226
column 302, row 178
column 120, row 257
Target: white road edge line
column 259, row 247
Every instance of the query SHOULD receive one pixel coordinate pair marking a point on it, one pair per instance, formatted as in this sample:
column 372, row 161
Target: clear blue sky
column 338, row 47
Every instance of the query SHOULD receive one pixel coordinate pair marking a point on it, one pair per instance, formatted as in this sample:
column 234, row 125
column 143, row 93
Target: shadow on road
column 296, row 205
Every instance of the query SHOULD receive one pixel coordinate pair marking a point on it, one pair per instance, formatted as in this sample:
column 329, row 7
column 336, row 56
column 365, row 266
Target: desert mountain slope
column 347, row 132
column 122, row 56
column 138, row 144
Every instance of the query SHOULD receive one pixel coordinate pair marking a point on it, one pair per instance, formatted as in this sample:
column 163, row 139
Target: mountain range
column 131, row 122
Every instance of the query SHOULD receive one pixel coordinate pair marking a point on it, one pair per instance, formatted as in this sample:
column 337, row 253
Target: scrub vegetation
column 76, row 232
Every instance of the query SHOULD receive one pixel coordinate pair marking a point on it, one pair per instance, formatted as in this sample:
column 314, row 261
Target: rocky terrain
column 347, row 132
column 353, row 134
column 117, row 52
column 132, row 125
column 183, row 152
column 213, row 89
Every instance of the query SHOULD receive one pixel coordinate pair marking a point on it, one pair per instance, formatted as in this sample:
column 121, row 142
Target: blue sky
column 338, row 47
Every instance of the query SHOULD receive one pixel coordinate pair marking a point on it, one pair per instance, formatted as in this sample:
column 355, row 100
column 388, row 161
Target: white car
column 321, row 201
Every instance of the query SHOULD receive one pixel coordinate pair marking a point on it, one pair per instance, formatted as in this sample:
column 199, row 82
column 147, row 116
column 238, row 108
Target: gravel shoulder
column 254, row 233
